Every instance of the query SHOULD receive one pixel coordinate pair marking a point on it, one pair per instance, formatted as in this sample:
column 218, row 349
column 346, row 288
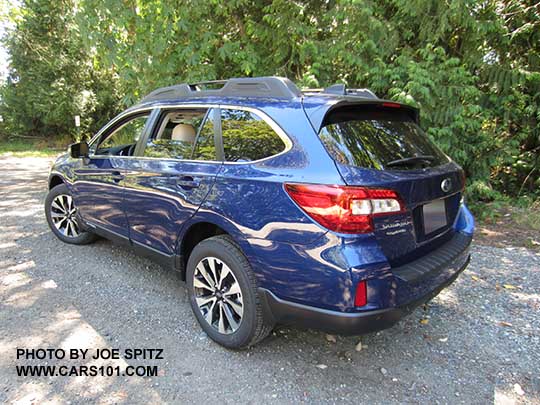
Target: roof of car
column 257, row 89
column 268, row 91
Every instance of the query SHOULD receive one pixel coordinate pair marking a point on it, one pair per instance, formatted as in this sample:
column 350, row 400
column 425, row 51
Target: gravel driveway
column 477, row 342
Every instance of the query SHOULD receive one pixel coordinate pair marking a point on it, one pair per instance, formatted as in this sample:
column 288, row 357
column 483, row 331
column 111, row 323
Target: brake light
column 360, row 297
column 345, row 209
column 391, row 105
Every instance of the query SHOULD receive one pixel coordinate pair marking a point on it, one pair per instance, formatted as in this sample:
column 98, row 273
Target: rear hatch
column 381, row 145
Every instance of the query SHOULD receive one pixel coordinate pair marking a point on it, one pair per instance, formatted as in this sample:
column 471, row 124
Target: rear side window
column 378, row 138
column 247, row 137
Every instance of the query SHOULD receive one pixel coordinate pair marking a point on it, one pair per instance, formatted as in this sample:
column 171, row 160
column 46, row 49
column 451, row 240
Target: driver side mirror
column 78, row 150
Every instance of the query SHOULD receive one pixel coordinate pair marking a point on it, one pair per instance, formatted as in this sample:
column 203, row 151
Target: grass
column 528, row 217
column 510, row 223
column 26, row 148
column 524, row 211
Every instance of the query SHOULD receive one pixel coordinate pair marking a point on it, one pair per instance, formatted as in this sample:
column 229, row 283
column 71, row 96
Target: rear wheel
column 223, row 294
column 62, row 218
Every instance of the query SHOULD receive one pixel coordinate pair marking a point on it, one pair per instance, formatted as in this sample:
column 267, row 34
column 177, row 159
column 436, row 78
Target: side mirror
column 78, row 150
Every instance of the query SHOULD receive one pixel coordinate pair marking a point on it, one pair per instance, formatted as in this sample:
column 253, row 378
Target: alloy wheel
column 218, row 295
column 63, row 215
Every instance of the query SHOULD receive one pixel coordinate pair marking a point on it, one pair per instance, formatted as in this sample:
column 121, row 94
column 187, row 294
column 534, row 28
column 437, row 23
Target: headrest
column 184, row 133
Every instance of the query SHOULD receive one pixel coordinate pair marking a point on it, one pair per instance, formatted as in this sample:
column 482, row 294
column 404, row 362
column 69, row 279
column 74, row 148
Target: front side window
column 176, row 134
column 247, row 137
column 123, row 140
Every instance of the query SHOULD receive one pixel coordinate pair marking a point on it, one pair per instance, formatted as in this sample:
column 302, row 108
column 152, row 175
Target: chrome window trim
column 275, row 127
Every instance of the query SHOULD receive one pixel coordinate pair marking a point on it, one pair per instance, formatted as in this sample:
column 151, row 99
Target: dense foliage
column 51, row 77
column 472, row 67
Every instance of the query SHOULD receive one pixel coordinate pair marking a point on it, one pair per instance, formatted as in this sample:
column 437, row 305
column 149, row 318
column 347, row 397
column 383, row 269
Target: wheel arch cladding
column 55, row 180
column 203, row 227
column 194, row 234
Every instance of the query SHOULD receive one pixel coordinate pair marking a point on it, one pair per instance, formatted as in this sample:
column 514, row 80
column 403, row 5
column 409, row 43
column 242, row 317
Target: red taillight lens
column 360, row 298
column 391, row 105
column 463, row 179
column 345, row 209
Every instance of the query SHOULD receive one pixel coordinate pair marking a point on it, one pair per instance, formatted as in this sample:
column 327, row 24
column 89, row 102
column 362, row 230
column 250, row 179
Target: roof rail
column 341, row 90
column 271, row 86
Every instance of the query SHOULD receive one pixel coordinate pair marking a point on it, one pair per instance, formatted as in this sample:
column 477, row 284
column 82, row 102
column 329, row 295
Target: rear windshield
column 378, row 138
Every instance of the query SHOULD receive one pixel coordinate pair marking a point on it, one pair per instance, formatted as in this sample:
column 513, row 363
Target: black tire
column 84, row 237
column 253, row 326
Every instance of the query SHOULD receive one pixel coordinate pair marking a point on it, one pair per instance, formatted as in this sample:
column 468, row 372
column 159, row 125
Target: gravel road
column 477, row 342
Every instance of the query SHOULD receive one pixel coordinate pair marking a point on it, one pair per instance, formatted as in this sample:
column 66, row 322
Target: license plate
column 434, row 216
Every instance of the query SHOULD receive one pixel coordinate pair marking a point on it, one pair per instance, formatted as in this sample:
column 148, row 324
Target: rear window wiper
column 411, row 160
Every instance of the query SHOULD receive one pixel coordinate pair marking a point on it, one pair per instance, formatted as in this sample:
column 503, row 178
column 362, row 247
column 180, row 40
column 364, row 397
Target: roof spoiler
column 317, row 115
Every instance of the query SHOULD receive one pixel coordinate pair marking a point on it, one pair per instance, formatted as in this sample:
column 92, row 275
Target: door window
column 205, row 148
column 123, row 140
column 176, row 134
column 247, row 137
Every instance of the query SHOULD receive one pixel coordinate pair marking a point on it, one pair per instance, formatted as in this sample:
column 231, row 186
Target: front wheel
column 62, row 217
column 223, row 294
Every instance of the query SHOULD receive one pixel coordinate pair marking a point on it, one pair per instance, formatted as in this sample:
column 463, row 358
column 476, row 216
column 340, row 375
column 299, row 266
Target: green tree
column 473, row 68
column 51, row 76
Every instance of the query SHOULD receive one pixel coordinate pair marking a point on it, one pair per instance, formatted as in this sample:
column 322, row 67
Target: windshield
column 378, row 138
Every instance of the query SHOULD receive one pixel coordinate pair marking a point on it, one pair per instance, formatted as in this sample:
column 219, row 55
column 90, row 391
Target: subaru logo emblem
column 446, row 185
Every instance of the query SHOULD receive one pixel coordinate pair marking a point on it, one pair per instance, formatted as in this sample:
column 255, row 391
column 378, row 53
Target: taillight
column 360, row 297
column 345, row 209
column 463, row 178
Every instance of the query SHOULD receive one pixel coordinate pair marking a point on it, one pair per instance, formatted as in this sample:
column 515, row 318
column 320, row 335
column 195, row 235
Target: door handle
column 187, row 182
column 117, row 176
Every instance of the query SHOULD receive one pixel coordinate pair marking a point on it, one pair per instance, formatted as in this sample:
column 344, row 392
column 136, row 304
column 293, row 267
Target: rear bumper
column 347, row 323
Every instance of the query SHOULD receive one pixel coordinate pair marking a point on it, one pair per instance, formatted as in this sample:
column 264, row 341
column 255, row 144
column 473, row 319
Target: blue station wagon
column 327, row 209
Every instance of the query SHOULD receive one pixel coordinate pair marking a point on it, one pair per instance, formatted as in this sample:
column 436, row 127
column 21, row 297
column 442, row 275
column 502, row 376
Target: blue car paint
column 98, row 196
column 292, row 256
column 157, row 205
